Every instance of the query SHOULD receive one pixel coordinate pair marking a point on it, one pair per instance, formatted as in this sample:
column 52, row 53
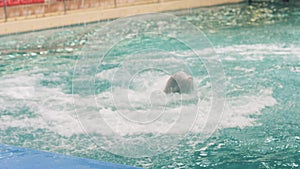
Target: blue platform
column 21, row 158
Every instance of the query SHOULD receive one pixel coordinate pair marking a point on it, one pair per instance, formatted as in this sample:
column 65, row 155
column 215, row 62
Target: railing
column 11, row 10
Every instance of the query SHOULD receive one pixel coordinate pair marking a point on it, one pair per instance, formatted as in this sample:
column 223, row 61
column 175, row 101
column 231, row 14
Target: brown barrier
column 59, row 7
column 54, row 13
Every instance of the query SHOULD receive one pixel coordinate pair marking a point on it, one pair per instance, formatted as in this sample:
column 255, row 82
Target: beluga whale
column 180, row 82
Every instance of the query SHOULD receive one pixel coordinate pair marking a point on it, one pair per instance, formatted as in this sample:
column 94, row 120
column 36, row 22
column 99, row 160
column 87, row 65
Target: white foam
column 258, row 52
column 53, row 108
column 236, row 112
column 98, row 114
column 238, row 109
column 295, row 69
column 246, row 70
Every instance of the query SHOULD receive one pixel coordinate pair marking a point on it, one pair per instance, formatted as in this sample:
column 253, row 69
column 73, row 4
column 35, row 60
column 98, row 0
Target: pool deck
column 97, row 14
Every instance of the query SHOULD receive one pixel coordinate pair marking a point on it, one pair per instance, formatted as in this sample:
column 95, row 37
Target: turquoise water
column 259, row 47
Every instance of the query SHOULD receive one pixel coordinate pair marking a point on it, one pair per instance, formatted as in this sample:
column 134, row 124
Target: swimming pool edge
column 98, row 14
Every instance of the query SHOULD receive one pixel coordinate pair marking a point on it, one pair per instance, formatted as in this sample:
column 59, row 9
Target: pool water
column 259, row 47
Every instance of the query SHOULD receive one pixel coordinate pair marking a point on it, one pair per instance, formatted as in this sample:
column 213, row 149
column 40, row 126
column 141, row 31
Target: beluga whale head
column 180, row 82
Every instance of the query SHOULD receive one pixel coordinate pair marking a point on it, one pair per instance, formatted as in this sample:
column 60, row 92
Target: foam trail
column 55, row 111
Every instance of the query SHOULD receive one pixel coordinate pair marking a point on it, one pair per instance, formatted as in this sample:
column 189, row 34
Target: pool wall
column 58, row 16
column 12, row 157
